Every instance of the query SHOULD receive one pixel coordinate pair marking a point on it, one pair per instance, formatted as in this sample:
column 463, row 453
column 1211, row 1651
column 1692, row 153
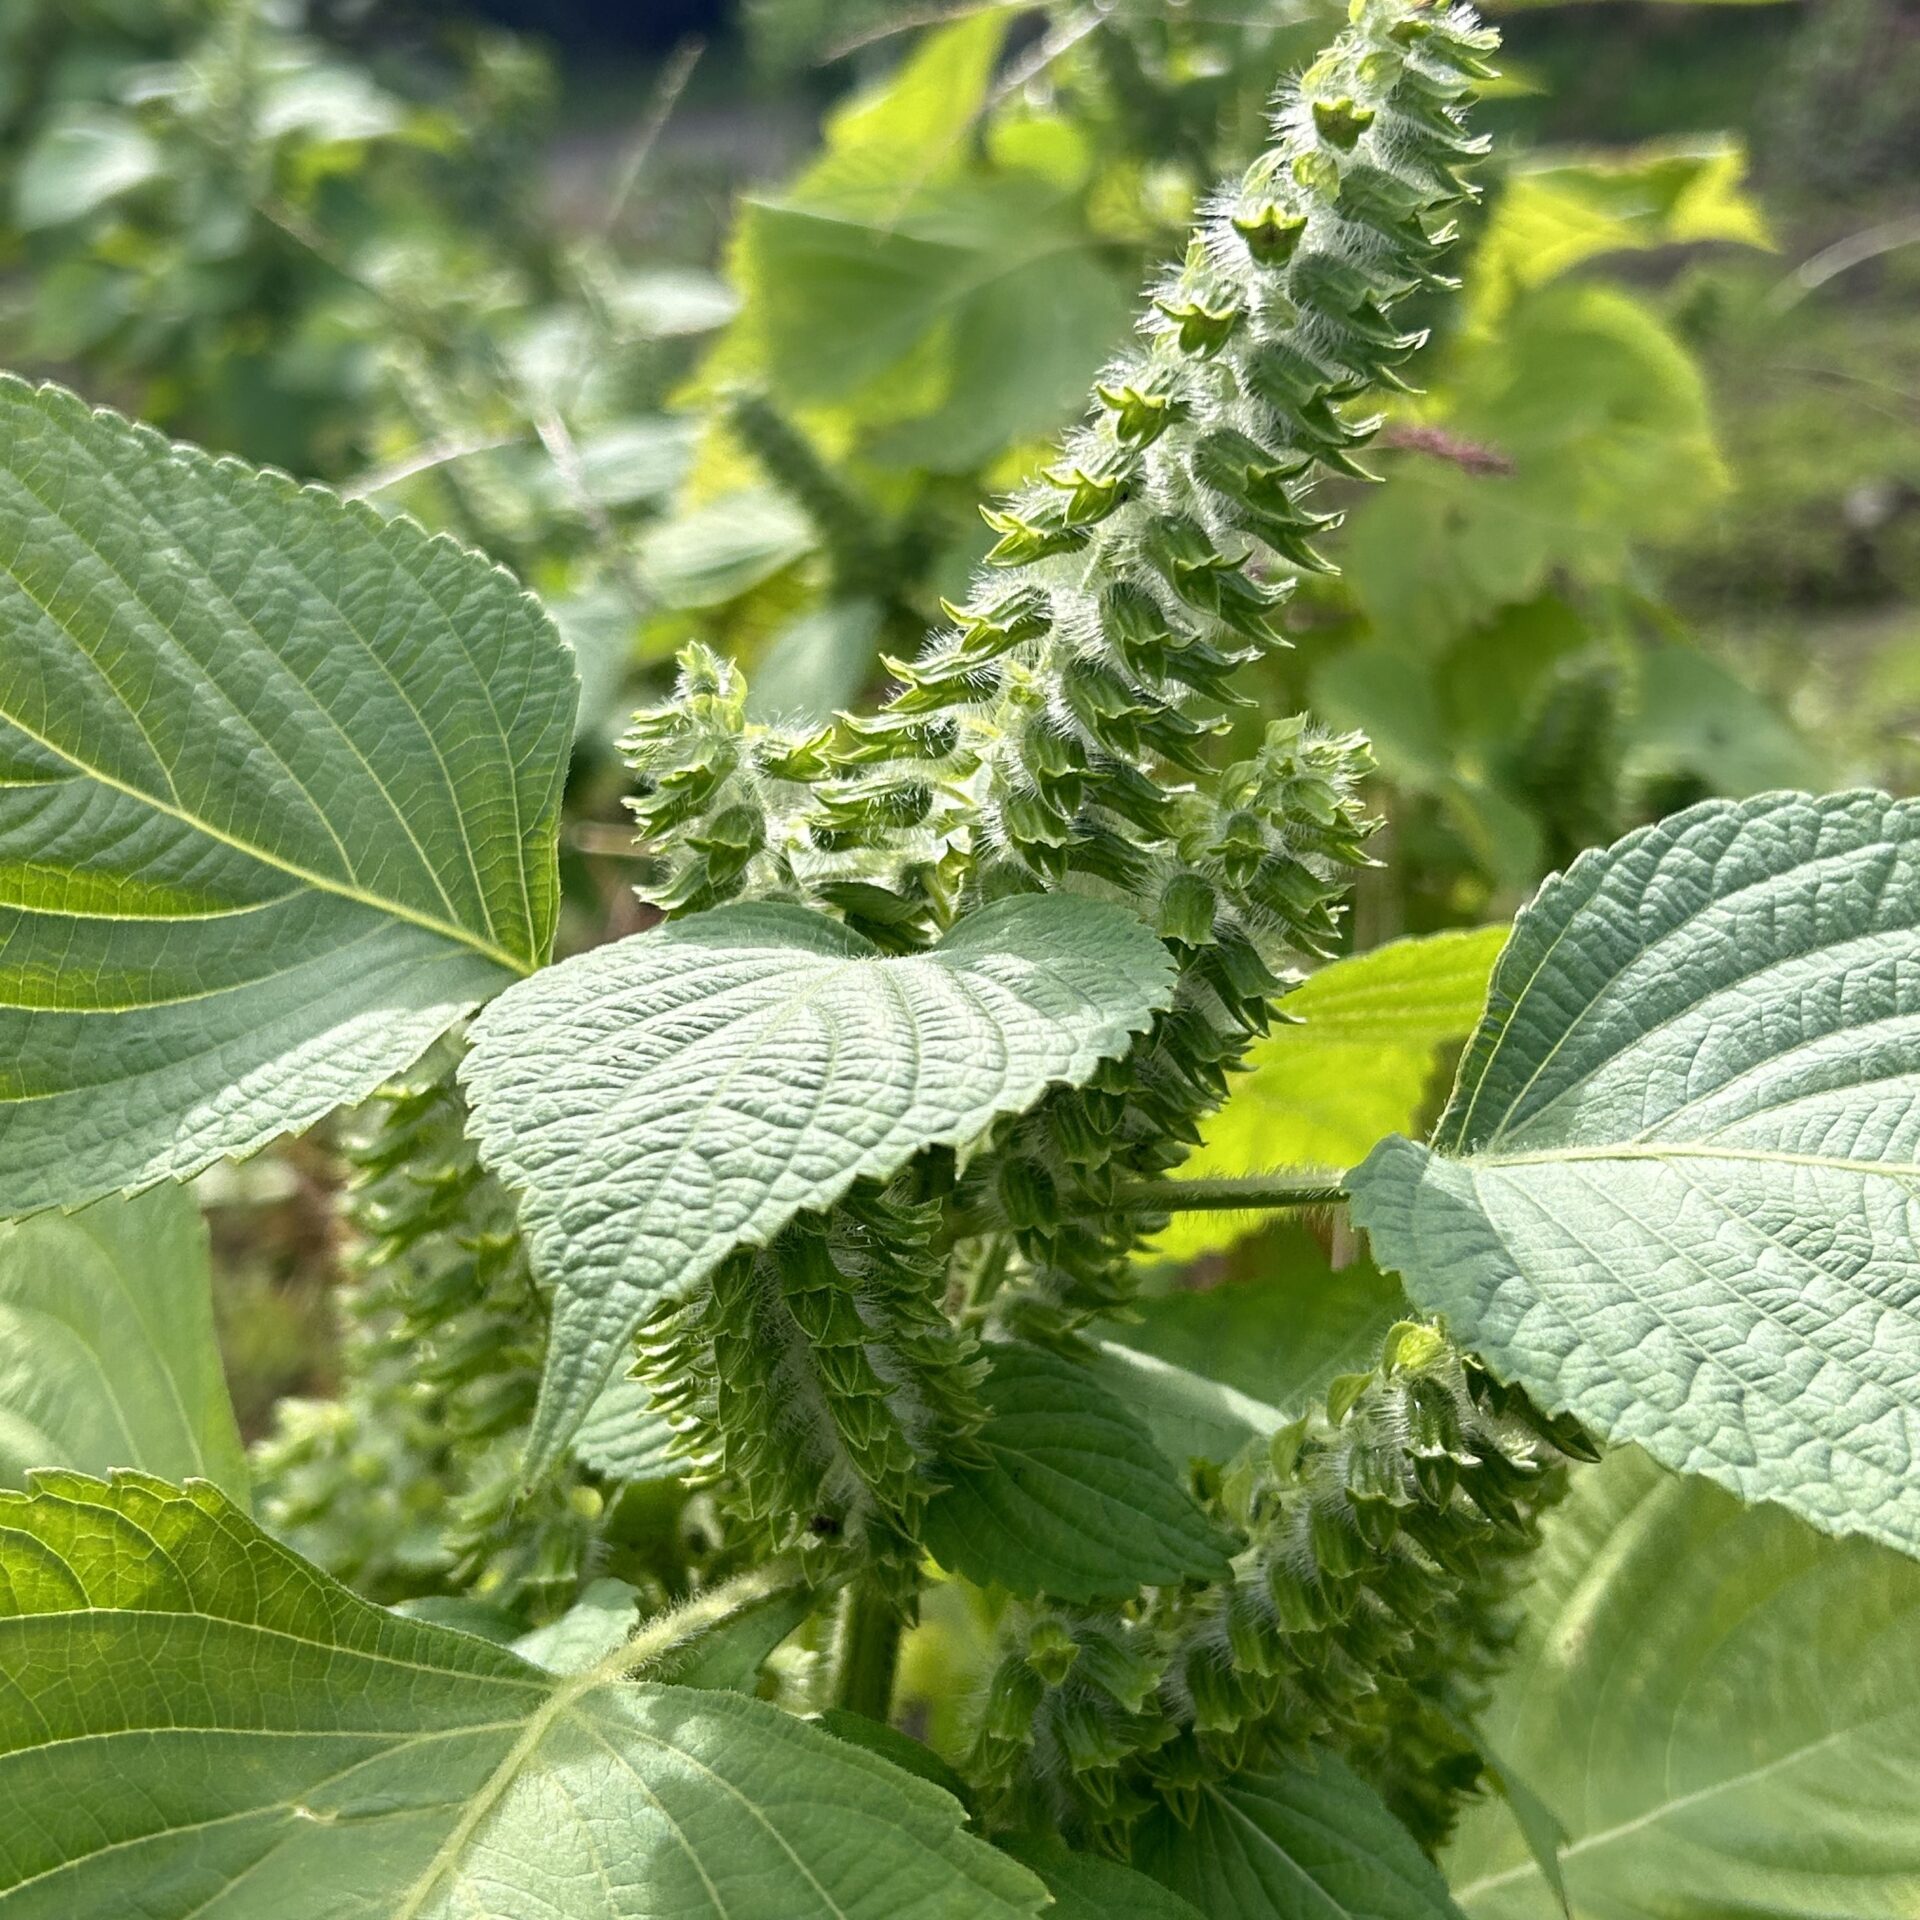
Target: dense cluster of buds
column 819, row 1379
column 1385, row 1533
column 409, row 1480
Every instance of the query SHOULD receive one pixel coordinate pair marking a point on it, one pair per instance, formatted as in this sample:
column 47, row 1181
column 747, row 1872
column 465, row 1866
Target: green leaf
column 279, row 790
column 902, row 1749
column 817, row 663
column 1695, row 717
column 624, row 1439
column 1072, row 1497
column 949, row 302
column 996, row 281
column 665, row 303
column 1717, row 1702
column 107, row 1348
column 1312, row 1843
column 712, row 554
column 190, row 1709
column 1604, row 417
column 1280, row 1336
column 635, row 462
column 1673, row 1193
column 1354, row 1069
column 1537, row 1824
column 731, row 1654
column 87, row 159
column 1189, row 1415
column 1087, row 1887
column 663, row 1100
column 599, row 1622
column 1559, row 210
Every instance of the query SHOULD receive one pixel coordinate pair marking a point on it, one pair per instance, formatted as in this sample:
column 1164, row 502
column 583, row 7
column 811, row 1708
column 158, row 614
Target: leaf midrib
column 430, row 923
column 131, row 498
column 1698, row 1150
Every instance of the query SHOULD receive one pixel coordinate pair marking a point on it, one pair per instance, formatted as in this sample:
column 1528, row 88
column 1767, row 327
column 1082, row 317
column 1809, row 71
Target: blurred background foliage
column 717, row 322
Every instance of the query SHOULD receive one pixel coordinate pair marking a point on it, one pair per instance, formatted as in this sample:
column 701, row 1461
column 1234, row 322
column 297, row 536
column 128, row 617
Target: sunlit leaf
column 194, row 1717
column 1715, row 1702
column 1354, row 1069
column 107, row 1348
column 1674, row 1191
column 279, row 790
column 663, row 1100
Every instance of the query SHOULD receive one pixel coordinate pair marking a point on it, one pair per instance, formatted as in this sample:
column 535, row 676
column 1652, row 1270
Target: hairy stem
column 868, row 1653
column 1252, row 1192
column 714, row 1608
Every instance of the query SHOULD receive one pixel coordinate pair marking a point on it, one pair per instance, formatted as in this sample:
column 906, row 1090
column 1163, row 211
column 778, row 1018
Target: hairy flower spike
column 717, row 796
column 818, row 1376
column 410, row 1479
column 1369, row 1612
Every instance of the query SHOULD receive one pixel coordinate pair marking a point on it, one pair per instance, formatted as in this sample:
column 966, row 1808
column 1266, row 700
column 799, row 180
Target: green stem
column 1241, row 1193
column 868, row 1653
column 713, row 1609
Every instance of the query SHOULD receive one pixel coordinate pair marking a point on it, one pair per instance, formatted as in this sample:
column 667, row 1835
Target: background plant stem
column 868, row 1653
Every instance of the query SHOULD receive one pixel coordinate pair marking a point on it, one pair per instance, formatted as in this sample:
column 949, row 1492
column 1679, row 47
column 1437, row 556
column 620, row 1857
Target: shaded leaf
column 1072, row 1497
column 1086, row 1886
column 1674, row 1191
column 1190, row 1415
column 1716, row 1702
column 902, row 1749
column 279, row 789
column 107, row 1348
column 1280, row 1336
column 190, row 1708
column 1312, row 1843
column 663, row 1100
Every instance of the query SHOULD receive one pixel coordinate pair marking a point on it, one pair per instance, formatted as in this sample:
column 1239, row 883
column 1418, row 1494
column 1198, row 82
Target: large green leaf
column 195, row 1722
column 1072, row 1498
column 948, row 297
column 1674, row 1192
column 1312, row 1843
column 663, row 1100
column 1355, row 1069
column 107, row 1350
column 279, row 788
column 1717, row 1703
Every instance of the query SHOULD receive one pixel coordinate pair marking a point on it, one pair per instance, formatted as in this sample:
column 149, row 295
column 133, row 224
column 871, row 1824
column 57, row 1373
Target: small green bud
column 1341, row 122
column 1203, row 329
column 1051, row 1651
column 1187, row 910
column 1272, row 233
column 1141, row 415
